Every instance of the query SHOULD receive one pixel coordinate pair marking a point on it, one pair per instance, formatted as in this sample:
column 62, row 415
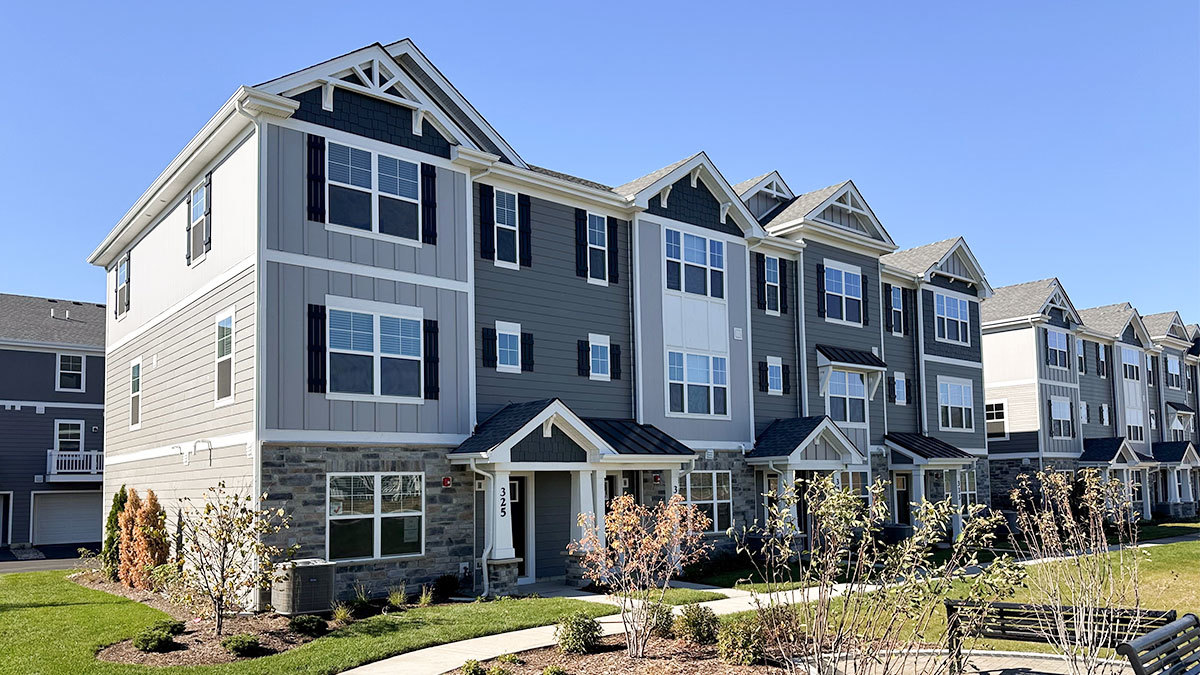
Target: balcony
column 74, row 465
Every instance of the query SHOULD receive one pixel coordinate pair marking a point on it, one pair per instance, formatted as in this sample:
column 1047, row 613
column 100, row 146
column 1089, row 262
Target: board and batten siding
column 972, row 440
column 559, row 309
column 775, row 336
column 1097, row 391
column 899, row 352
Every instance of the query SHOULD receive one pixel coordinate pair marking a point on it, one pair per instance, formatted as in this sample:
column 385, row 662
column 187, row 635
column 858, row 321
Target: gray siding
column 934, row 347
column 1058, row 445
column 552, row 519
column 31, row 376
column 1023, row 442
column 899, row 352
column 289, row 290
column 961, row 439
column 559, row 309
column 1068, row 375
column 775, row 336
column 558, row 448
column 693, row 205
column 1096, row 391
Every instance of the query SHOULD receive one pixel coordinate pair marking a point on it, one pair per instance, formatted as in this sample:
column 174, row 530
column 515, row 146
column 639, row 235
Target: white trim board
column 227, row 441
column 42, row 405
column 359, row 269
column 303, row 437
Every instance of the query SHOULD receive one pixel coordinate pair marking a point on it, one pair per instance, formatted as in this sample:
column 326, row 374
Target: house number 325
column 504, row 502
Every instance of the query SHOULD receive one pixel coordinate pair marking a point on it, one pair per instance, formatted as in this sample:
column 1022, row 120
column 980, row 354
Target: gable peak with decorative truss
column 846, row 209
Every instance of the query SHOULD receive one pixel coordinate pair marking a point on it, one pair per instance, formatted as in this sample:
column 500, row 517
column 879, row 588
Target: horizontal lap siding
column 960, row 439
column 178, row 394
column 559, row 309
column 933, row 347
column 775, row 336
column 1098, row 391
column 32, row 376
column 173, row 481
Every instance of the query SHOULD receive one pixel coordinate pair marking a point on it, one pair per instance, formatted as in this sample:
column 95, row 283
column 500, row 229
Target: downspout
column 487, row 550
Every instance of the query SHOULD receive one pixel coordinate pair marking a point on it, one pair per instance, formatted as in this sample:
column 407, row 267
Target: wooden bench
column 1025, row 623
column 1173, row 649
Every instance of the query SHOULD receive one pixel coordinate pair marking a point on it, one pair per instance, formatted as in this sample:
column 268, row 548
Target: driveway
column 53, row 557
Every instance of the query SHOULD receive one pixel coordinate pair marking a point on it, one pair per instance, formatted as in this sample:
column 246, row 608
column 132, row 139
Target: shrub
column 739, row 642
column 498, row 670
column 554, row 670
column 150, row 538
column 697, row 624
column 397, row 597
column 577, row 633
column 164, row 578
column 168, row 626
column 426, row 598
column 658, row 620
column 510, row 658
column 153, row 640
column 110, row 552
column 444, row 587
column 308, row 624
column 341, row 613
column 127, row 523
column 243, row 644
column 472, row 667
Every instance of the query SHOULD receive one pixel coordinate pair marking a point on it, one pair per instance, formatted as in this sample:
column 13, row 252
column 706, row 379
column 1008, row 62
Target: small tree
column 110, row 552
column 127, row 569
column 641, row 550
column 1087, row 529
column 226, row 557
column 150, row 545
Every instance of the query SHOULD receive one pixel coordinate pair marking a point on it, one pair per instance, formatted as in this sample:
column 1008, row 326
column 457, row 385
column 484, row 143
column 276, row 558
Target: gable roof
column 45, row 321
column 1104, row 450
column 503, row 423
column 745, row 186
column 925, row 260
column 805, row 209
column 1160, row 325
column 1173, row 452
column 1017, row 300
column 803, row 204
column 782, row 437
column 1111, row 320
column 641, row 190
column 640, row 183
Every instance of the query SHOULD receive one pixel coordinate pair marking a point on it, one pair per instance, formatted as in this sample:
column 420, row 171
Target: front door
column 520, row 531
column 903, row 500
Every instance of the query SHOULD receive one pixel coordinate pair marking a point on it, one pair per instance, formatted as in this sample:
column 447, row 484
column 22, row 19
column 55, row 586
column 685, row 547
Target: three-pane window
column 375, row 515
column 1134, row 425
column 847, row 397
column 373, row 192
column 1131, row 364
column 695, row 264
column 361, row 364
column 697, row 384
column 953, row 318
column 843, row 295
column 711, row 492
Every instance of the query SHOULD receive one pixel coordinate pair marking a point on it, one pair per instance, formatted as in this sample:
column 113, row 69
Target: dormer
column 764, row 194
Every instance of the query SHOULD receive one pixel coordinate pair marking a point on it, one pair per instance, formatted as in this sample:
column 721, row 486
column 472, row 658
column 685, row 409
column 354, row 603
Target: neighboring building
column 51, row 421
column 354, row 296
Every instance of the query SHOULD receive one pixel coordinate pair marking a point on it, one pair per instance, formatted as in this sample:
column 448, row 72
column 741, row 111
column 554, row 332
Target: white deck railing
column 74, row 461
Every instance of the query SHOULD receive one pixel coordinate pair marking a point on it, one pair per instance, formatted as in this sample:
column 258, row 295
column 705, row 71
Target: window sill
column 772, row 312
column 947, row 341
column 506, row 264
column 843, row 322
column 197, row 261
column 956, row 431
column 600, row 378
column 70, row 391
column 513, row 370
column 372, row 234
column 850, row 425
column 775, row 392
column 374, row 398
column 997, row 438
column 597, row 282
column 135, row 427
column 382, row 558
column 224, row 402
column 697, row 416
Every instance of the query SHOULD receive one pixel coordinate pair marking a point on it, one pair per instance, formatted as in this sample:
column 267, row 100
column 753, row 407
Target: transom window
column 956, row 405
column 225, row 357
column 1130, row 364
column 771, row 279
column 953, row 316
column 995, row 419
column 843, row 294
column 711, row 492
column 600, row 354
column 1174, row 377
column 373, row 192
column 847, row 398
column 70, row 372
column 68, row 435
column 695, row 264
column 597, row 248
column 360, row 364
column 1061, row 425
column 506, row 228
column 897, row 309
column 508, row 347
column 774, row 375
column 376, row 515
column 1056, row 349
column 697, row 384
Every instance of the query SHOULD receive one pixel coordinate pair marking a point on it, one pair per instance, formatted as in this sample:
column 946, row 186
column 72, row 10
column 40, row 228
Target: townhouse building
column 51, row 421
column 355, row 297
column 1070, row 389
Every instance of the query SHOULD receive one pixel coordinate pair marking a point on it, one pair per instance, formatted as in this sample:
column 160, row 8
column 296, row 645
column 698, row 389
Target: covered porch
column 1116, row 458
column 538, row 466
column 926, row 468
column 1174, row 481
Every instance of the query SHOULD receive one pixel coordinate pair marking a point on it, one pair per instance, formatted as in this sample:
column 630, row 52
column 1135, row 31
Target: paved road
column 57, row 557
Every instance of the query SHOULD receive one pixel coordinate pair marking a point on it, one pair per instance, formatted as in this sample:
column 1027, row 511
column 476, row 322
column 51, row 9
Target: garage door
column 66, row 517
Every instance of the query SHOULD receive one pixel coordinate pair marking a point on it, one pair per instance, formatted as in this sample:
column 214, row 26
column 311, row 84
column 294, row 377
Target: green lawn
column 1152, row 531
column 52, row 625
column 687, row 596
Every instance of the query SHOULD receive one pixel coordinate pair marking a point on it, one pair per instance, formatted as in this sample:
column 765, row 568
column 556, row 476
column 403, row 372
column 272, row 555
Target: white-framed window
column 901, row 388
column 1085, row 413
column 953, row 317
column 597, row 233
column 697, row 384
column 374, row 355
column 771, row 281
column 1060, row 418
column 1104, row 414
column 995, row 417
column 1150, row 371
column 600, row 357
column 508, row 347
column 774, row 376
column 1134, row 425
column 956, row 405
column 135, row 394
column 375, row 515
column 896, row 306
column 507, row 241
column 855, row 482
column 1102, row 360
column 1130, row 364
column 122, row 285
column 372, row 192
column 968, row 488
column 1056, row 349
column 196, row 222
column 843, row 293
column 71, row 372
column 1191, row 380
column 224, row 357
column 68, row 435
column 1153, row 420
column 712, row 493
column 695, row 264
column 847, row 399
column 1174, row 376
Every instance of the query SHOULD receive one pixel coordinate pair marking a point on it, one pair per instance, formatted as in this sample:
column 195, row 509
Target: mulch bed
column 663, row 657
column 198, row 644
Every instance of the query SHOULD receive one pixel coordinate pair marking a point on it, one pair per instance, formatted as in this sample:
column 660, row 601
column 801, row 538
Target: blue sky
column 1062, row 139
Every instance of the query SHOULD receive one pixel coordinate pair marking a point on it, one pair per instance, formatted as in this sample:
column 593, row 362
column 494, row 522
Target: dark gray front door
column 516, row 491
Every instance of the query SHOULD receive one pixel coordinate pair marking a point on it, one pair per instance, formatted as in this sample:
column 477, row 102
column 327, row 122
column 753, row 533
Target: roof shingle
column 1017, row 300
column 638, row 184
column 919, row 259
column 802, row 205
column 1108, row 319
column 45, row 320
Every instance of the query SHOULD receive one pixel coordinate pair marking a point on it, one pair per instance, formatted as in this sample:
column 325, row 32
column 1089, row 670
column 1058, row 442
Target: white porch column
column 598, row 496
column 918, row 492
column 1187, row 485
column 672, row 486
column 504, row 536
column 1145, row 477
column 788, row 483
column 576, row 532
column 953, row 478
column 1173, row 485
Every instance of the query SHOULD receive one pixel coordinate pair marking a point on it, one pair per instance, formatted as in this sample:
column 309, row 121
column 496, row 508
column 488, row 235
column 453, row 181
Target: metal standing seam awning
column 925, row 451
column 855, row 360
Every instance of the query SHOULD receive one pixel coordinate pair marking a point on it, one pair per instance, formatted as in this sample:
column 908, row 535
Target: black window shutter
column 1050, row 416
column 866, row 297
column 1072, row 419
column 316, row 178
column 787, row 379
column 614, row 362
column 784, row 266
column 1083, row 354
column 908, row 298
column 489, row 347
column 187, row 215
column 429, row 204
column 763, row 377
column 524, row 231
column 760, row 280
column 487, row 222
column 207, row 212
column 316, row 349
column 585, row 358
column 614, row 248
column 128, row 277
column 581, row 243
column 527, row 352
column 891, row 389
column 432, row 359
column 820, row 290
column 1046, row 345
column 887, row 308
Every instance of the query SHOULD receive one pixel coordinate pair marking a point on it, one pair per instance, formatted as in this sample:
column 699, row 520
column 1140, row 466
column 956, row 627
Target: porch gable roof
column 785, row 437
column 501, row 425
column 1175, row 452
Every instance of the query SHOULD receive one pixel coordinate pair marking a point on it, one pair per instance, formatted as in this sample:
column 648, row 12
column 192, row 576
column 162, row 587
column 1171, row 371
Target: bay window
column 375, row 515
column 697, row 384
column 695, row 264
